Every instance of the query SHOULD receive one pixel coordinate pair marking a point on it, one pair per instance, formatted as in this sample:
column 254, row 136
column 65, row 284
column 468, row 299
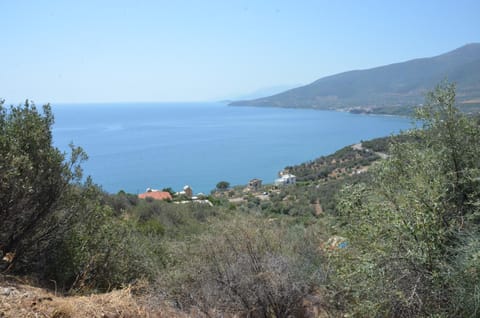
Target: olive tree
column 405, row 227
column 37, row 196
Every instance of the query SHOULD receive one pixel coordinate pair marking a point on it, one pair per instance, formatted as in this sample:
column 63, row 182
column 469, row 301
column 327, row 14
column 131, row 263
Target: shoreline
column 341, row 110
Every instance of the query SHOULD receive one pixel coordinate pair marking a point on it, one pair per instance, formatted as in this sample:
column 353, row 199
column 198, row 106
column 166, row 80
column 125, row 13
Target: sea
column 134, row 146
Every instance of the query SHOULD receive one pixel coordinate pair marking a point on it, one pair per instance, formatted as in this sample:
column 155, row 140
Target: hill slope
column 394, row 85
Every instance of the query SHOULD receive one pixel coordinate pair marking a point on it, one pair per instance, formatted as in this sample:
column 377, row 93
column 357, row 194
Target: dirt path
column 360, row 147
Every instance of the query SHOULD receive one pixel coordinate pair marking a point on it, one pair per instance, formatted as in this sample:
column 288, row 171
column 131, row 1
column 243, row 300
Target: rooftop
column 157, row 195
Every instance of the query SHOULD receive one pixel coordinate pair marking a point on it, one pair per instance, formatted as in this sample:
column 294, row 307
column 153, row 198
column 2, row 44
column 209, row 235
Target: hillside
column 385, row 88
column 383, row 228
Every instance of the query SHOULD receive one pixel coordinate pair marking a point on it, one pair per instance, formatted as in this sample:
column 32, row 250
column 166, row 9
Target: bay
column 132, row 146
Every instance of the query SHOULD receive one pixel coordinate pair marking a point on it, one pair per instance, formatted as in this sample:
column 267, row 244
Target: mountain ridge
column 402, row 84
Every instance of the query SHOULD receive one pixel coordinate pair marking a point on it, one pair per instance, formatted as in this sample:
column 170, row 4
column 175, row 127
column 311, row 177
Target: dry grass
column 22, row 300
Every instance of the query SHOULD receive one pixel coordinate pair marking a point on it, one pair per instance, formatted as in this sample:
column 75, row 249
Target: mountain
column 390, row 86
column 266, row 91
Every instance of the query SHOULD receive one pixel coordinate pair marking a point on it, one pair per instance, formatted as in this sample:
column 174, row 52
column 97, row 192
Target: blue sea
column 132, row 146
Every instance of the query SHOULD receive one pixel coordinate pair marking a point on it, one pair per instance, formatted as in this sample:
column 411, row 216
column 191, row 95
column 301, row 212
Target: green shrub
column 407, row 256
column 103, row 252
column 38, row 187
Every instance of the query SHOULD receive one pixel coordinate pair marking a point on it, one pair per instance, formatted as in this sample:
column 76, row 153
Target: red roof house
column 156, row 195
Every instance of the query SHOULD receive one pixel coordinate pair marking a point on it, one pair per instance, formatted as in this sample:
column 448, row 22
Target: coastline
column 136, row 146
column 351, row 110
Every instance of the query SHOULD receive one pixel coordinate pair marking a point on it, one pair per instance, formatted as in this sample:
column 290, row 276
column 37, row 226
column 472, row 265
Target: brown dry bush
column 248, row 265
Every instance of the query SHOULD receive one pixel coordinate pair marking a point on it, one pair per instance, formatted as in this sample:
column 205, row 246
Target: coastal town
column 254, row 187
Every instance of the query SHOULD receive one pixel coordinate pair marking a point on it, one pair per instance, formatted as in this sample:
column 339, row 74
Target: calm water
column 135, row 146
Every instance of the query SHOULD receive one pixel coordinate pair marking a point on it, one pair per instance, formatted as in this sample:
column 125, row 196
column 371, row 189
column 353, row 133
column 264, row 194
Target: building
column 286, row 179
column 255, row 184
column 156, row 195
column 188, row 191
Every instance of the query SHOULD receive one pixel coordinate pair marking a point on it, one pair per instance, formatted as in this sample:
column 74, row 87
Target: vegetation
column 39, row 193
column 263, row 269
column 345, row 162
column 386, row 228
column 223, row 185
column 410, row 227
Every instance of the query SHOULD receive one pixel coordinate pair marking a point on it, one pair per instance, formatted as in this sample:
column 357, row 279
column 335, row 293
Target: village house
column 254, row 184
column 156, row 195
column 286, row 179
column 187, row 191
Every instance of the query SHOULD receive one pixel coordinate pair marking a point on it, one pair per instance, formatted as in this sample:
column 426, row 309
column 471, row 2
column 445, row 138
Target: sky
column 206, row 50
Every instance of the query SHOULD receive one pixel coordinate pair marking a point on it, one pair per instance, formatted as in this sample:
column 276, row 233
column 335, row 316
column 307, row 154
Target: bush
column 103, row 252
column 406, row 227
column 38, row 195
column 246, row 265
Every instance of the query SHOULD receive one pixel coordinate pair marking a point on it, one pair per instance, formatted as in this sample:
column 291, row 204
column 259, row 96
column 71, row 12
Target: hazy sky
column 179, row 50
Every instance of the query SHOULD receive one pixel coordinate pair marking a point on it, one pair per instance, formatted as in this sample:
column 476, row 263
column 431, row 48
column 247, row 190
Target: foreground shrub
column 246, row 265
column 408, row 256
column 103, row 252
column 39, row 195
column 464, row 277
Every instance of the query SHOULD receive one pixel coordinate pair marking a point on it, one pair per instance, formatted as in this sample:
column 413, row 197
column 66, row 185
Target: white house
column 186, row 191
column 286, row 179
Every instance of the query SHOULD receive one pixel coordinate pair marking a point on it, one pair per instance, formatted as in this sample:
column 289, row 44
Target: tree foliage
column 406, row 226
column 102, row 252
column 223, row 185
column 37, row 197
